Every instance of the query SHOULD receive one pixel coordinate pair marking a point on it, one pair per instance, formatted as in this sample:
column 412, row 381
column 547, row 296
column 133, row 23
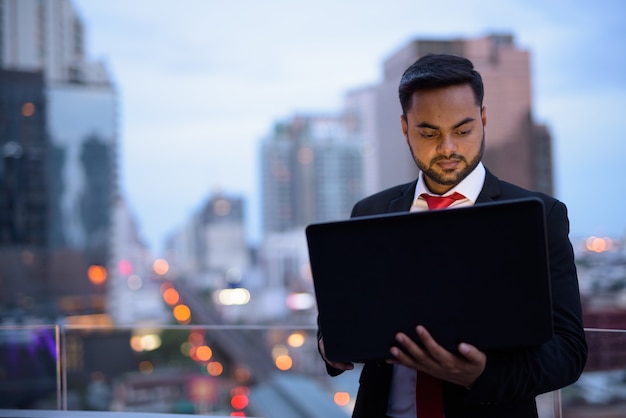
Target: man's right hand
column 336, row 364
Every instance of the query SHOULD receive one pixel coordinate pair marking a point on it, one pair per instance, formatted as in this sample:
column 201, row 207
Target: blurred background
column 160, row 159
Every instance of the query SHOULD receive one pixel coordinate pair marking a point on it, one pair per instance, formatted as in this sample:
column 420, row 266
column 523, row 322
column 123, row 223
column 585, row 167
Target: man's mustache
column 450, row 157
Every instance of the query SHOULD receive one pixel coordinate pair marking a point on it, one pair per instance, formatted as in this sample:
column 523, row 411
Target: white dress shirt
column 402, row 392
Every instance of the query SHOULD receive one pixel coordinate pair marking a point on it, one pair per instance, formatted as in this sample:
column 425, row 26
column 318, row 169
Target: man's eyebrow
column 426, row 125
column 430, row 126
column 463, row 122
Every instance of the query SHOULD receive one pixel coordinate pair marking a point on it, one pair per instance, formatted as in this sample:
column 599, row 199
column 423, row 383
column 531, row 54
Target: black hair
column 439, row 70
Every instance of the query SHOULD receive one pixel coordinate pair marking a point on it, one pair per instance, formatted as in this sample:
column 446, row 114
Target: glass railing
column 253, row 371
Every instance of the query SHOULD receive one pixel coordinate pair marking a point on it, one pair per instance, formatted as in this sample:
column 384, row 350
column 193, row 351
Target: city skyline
column 217, row 78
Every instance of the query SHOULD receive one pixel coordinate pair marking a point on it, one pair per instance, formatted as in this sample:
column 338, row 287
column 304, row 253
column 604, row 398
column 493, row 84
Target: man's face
column 445, row 131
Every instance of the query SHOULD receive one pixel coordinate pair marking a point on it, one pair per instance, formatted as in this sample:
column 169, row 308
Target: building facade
column 24, row 192
column 210, row 251
column 311, row 171
column 78, row 121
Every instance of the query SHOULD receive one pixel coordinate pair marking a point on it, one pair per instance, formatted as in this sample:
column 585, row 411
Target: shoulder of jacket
column 391, row 193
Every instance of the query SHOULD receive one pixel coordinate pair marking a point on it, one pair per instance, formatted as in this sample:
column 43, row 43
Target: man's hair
column 436, row 71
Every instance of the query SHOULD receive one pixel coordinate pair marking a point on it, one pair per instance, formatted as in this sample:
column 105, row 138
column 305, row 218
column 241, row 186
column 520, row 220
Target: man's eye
column 428, row 134
column 464, row 132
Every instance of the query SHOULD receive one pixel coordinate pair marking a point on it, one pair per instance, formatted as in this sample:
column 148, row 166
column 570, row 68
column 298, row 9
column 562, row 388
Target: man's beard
column 445, row 180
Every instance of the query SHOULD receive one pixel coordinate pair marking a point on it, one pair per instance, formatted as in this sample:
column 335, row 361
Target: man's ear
column 483, row 115
column 405, row 127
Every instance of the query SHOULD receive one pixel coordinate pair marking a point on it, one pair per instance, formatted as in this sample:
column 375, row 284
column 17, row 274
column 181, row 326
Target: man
column 444, row 122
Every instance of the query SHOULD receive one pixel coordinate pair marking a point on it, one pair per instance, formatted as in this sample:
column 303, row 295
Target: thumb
column 471, row 353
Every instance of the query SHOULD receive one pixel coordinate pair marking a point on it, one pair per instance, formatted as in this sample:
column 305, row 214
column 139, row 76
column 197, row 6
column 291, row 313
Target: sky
column 202, row 82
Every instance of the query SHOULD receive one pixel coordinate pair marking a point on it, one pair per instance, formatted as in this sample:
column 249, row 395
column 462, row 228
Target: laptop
column 476, row 274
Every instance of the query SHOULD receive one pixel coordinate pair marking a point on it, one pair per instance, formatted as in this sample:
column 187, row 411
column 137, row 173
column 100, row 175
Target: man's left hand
column 462, row 369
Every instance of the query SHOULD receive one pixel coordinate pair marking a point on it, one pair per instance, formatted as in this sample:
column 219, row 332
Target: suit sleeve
column 521, row 374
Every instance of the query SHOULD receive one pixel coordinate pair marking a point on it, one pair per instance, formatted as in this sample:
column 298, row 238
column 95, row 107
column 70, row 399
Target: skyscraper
column 517, row 149
column 24, row 144
column 23, row 147
column 311, row 172
column 80, row 161
column 210, row 251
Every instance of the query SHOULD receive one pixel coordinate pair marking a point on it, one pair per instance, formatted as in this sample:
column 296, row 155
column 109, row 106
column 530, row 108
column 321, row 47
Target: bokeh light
column 242, row 374
column 160, row 266
column 300, row 301
column 284, row 362
column 599, row 245
column 135, row 343
column 97, row 274
column 146, row 342
column 151, row 342
column 342, row 398
column 215, row 368
column 182, row 313
column 239, row 397
column 171, row 296
column 237, row 296
column 134, row 282
column 28, row 109
column 196, row 337
column 185, row 348
column 279, row 350
column 124, row 267
column 146, row 367
column 296, row 339
column 204, row 353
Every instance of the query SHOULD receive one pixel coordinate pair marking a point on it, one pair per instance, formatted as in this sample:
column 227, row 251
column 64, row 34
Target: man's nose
column 447, row 146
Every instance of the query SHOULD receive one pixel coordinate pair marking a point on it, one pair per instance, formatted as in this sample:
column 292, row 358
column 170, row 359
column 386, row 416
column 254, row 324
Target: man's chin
column 448, row 178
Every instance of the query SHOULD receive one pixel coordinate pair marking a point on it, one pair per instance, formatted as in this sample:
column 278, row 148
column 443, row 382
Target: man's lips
column 448, row 164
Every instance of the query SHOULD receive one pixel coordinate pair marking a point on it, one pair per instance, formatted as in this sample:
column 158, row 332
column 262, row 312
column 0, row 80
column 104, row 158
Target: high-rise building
column 23, row 191
column 46, row 36
column 517, row 149
column 311, row 172
column 222, row 238
column 210, row 251
column 23, row 147
column 80, row 158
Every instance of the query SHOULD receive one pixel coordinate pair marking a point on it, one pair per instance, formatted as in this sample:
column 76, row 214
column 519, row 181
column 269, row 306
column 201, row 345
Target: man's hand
column 435, row 360
column 336, row 364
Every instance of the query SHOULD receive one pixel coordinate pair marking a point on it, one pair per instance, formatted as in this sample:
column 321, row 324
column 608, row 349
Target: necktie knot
column 440, row 202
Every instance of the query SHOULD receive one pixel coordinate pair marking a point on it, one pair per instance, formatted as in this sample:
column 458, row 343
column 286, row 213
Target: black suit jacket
column 511, row 379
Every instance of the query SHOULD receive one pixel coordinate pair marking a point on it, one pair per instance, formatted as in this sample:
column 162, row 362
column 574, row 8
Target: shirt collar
column 469, row 187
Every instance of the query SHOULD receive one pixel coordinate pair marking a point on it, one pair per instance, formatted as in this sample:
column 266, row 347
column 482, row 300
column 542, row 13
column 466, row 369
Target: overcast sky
column 202, row 82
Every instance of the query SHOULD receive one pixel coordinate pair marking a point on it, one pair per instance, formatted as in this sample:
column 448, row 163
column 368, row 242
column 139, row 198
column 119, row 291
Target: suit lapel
column 405, row 201
column 490, row 190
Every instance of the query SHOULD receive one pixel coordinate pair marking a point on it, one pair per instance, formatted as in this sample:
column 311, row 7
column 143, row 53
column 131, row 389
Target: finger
column 409, row 346
column 432, row 347
column 341, row 365
column 471, row 353
column 408, row 353
column 401, row 357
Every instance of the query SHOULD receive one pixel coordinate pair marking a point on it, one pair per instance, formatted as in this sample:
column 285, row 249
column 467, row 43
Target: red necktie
column 428, row 391
column 428, row 396
column 440, row 202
